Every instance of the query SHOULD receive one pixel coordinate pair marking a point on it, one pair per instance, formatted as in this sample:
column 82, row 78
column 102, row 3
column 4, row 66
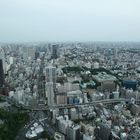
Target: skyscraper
column 50, row 93
column 2, row 57
column 50, row 84
column 54, row 51
column 2, row 67
column 1, row 74
column 51, row 74
column 73, row 132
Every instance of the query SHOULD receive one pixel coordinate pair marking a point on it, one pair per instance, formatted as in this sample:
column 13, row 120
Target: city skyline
column 70, row 91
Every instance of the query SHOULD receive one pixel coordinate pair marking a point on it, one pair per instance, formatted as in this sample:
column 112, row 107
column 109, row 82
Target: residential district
column 70, row 91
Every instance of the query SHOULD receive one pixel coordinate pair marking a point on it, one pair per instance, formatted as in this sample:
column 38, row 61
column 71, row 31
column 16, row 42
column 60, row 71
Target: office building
column 130, row 84
column 1, row 74
column 2, row 57
column 55, row 51
column 63, row 124
column 73, row 114
column 73, row 132
column 104, row 131
column 50, row 93
column 28, row 52
column 51, row 74
column 61, row 99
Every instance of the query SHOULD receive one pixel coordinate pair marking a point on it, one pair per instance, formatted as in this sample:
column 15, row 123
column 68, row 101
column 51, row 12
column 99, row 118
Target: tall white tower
column 50, row 74
column 50, row 93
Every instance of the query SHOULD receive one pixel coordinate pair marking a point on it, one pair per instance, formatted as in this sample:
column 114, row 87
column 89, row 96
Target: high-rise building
column 36, row 54
column 11, row 60
column 1, row 74
column 104, row 131
column 73, row 132
column 51, row 74
column 28, row 52
column 31, row 52
column 2, row 57
column 50, row 93
column 2, row 67
column 54, row 51
column 63, row 124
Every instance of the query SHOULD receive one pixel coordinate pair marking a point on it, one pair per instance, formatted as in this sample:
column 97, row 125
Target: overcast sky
column 69, row 20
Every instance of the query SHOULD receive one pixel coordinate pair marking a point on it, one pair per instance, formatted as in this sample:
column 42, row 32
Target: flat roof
column 102, row 77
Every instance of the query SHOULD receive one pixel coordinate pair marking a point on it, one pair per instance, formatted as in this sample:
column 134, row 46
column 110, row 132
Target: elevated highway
column 67, row 106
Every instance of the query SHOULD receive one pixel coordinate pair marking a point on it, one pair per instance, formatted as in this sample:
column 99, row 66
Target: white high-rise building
column 11, row 60
column 50, row 93
column 51, row 74
column 63, row 124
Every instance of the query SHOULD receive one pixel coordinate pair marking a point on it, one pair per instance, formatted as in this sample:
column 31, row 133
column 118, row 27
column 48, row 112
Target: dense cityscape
column 70, row 91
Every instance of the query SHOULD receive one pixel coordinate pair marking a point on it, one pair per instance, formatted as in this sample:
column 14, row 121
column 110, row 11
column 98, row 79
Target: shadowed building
column 130, row 84
column 1, row 76
column 54, row 51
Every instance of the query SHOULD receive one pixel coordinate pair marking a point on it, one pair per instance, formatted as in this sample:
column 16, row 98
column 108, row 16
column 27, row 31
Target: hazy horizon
column 69, row 20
